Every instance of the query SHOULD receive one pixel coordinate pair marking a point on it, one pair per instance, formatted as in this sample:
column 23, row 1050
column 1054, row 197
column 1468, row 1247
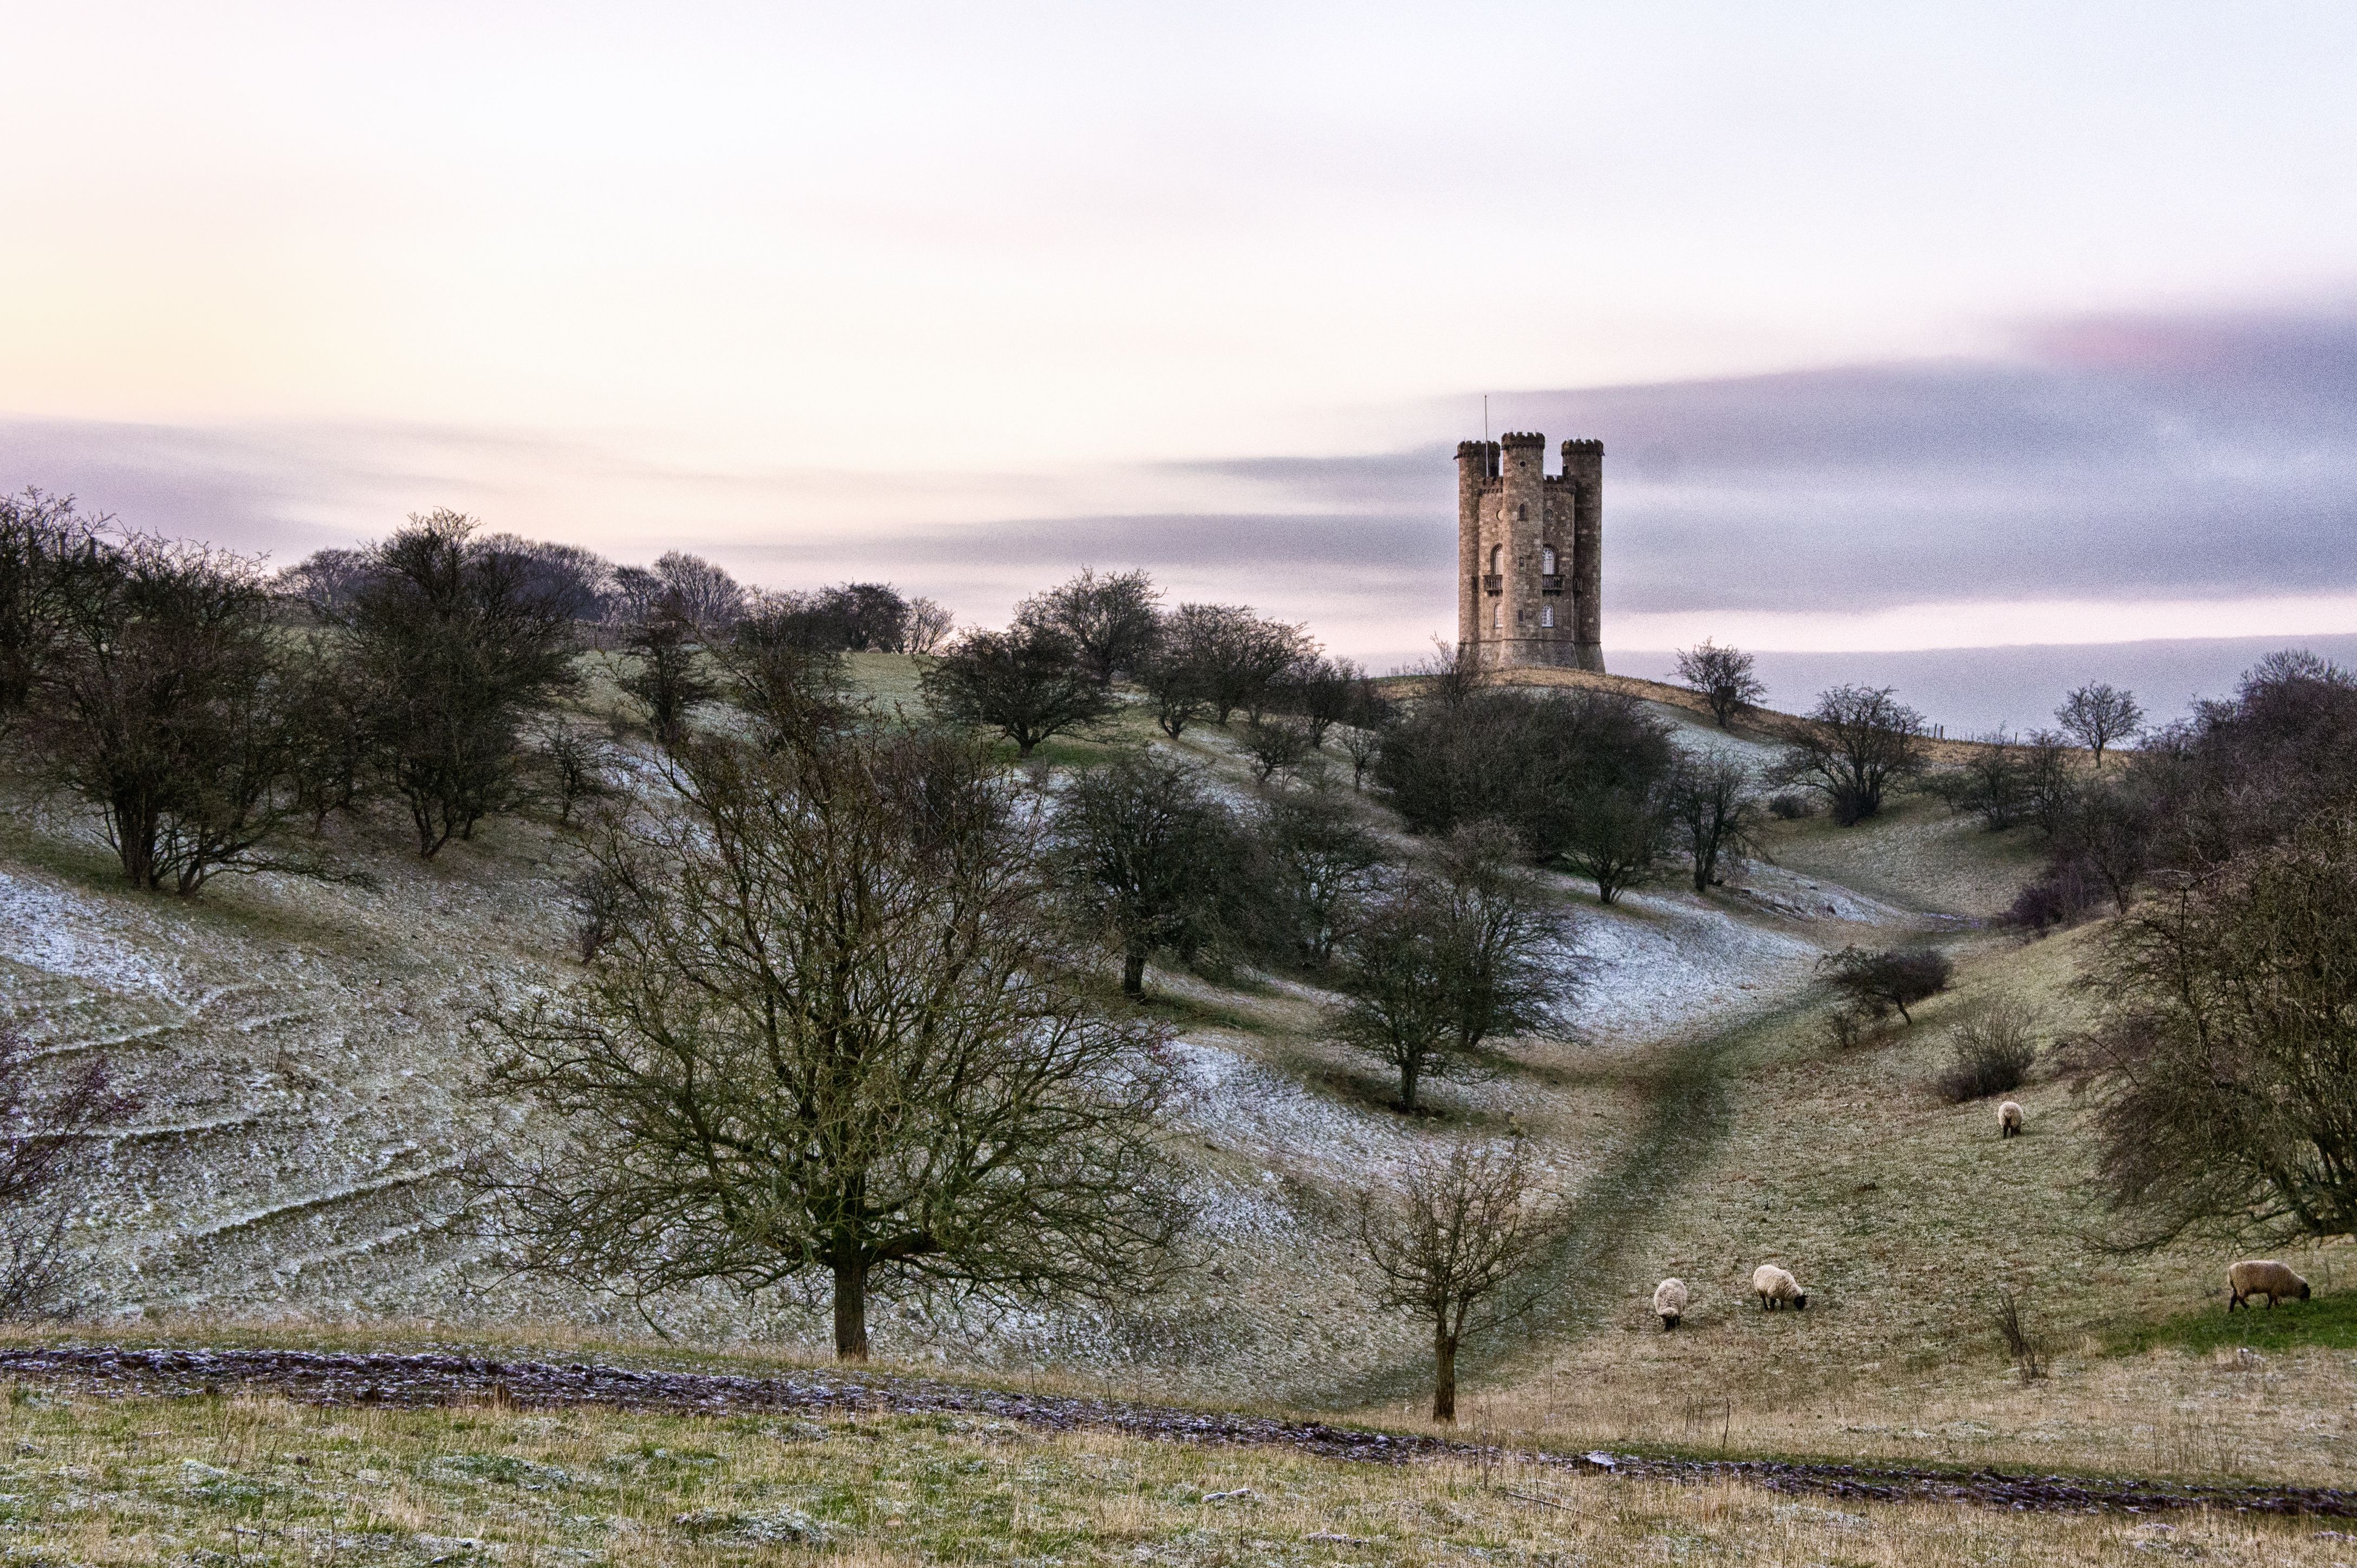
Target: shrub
column 1993, row 1052
column 2062, row 895
column 1876, row 983
column 1791, row 807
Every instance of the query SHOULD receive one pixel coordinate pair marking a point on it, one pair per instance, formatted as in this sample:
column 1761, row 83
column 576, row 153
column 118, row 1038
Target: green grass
column 2324, row 1323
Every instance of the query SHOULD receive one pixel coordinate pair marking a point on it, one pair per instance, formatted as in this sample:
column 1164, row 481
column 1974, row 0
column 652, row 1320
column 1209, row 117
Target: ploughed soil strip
column 421, row 1380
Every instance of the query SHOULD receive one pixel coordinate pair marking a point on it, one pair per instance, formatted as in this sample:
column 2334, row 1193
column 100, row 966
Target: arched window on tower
column 1497, row 553
column 1546, row 615
column 1498, row 616
column 1546, row 560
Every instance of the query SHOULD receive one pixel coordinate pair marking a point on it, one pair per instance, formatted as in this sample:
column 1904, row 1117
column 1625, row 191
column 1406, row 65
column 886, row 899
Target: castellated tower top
column 1530, row 553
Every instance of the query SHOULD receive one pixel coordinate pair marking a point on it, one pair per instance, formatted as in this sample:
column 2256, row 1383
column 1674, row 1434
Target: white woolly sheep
column 1774, row 1285
column 2262, row 1276
column 2009, row 1119
column 1669, row 1301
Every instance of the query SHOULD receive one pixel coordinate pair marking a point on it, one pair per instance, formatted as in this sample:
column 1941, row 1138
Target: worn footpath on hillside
column 422, row 1380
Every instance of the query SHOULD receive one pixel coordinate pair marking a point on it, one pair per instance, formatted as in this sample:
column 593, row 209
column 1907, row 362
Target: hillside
column 302, row 1058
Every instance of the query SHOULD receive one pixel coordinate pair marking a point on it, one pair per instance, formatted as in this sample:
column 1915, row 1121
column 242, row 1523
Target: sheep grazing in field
column 2009, row 1119
column 1775, row 1285
column 1669, row 1301
column 2262, row 1277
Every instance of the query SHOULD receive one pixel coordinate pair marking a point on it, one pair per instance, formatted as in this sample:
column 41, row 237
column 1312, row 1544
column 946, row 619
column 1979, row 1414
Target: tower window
column 1546, row 560
column 1546, row 615
column 1498, row 616
column 1496, row 552
column 1522, row 514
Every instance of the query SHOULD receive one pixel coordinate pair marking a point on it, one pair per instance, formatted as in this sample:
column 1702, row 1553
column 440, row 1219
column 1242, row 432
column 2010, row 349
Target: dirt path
column 412, row 1382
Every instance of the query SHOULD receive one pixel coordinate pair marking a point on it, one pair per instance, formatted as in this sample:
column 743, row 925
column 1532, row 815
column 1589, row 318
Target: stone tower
column 1530, row 553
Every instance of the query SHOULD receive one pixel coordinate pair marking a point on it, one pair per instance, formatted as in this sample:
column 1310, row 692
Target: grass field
column 232, row 1479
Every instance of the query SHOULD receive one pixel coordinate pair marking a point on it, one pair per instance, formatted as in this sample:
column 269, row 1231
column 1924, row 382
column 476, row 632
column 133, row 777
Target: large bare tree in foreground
column 831, row 1029
column 1452, row 1244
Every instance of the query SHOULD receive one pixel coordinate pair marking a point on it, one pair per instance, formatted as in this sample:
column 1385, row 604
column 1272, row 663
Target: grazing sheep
column 2262, row 1277
column 1774, row 1284
column 1669, row 1301
column 2009, row 1119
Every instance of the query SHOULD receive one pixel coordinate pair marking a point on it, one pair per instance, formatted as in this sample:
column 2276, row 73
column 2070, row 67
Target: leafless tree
column 577, row 759
column 1321, row 692
column 2227, row 1060
column 696, row 588
column 1858, row 742
column 1140, row 849
column 928, row 628
column 1452, row 673
column 1273, row 744
column 167, row 706
column 832, row 1029
column 1108, row 618
column 1724, row 676
column 1321, row 862
column 1715, row 813
column 1452, row 957
column 2098, row 716
column 47, row 1150
column 666, row 675
column 458, row 647
column 1454, row 1243
column 1233, row 656
column 40, row 538
column 1363, row 745
column 1024, row 682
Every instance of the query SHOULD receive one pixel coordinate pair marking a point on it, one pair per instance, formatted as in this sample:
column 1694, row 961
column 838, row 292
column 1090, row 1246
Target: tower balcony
column 1495, row 583
column 1552, row 583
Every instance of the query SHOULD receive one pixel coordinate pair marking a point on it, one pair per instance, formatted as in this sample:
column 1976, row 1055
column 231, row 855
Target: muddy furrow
column 411, row 1381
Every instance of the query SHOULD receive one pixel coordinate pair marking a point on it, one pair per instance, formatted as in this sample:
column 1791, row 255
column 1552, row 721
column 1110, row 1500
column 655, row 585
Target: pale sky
column 964, row 296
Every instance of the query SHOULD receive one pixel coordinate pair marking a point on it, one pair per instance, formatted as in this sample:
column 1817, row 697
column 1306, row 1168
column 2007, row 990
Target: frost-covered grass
column 138, row 1482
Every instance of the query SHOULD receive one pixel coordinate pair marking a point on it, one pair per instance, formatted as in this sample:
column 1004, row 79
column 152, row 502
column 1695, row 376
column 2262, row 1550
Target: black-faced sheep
column 1776, row 1285
column 2009, row 1119
column 1669, row 1301
column 2262, row 1277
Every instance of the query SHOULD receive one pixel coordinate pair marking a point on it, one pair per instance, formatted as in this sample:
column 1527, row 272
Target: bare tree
column 1024, row 682
column 1108, row 617
column 666, row 674
column 702, row 592
column 1140, row 847
column 47, row 1148
column 1321, row 860
column 2098, row 716
column 1363, row 745
column 458, row 647
column 1723, row 677
column 831, row 1029
column 1455, row 1242
column 1321, row 692
column 577, row 759
column 928, row 628
column 1715, row 813
column 1452, row 673
column 1179, row 688
column 167, row 706
column 1233, row 656
column 786, row 669
column 1275, row 744
column 1858, row 742
column 40, row 538
column 1449, row 960
column 2226, row 1063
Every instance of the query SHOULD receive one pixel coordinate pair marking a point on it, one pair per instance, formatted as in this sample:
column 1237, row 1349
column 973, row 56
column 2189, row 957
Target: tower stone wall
column 1530, row 549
